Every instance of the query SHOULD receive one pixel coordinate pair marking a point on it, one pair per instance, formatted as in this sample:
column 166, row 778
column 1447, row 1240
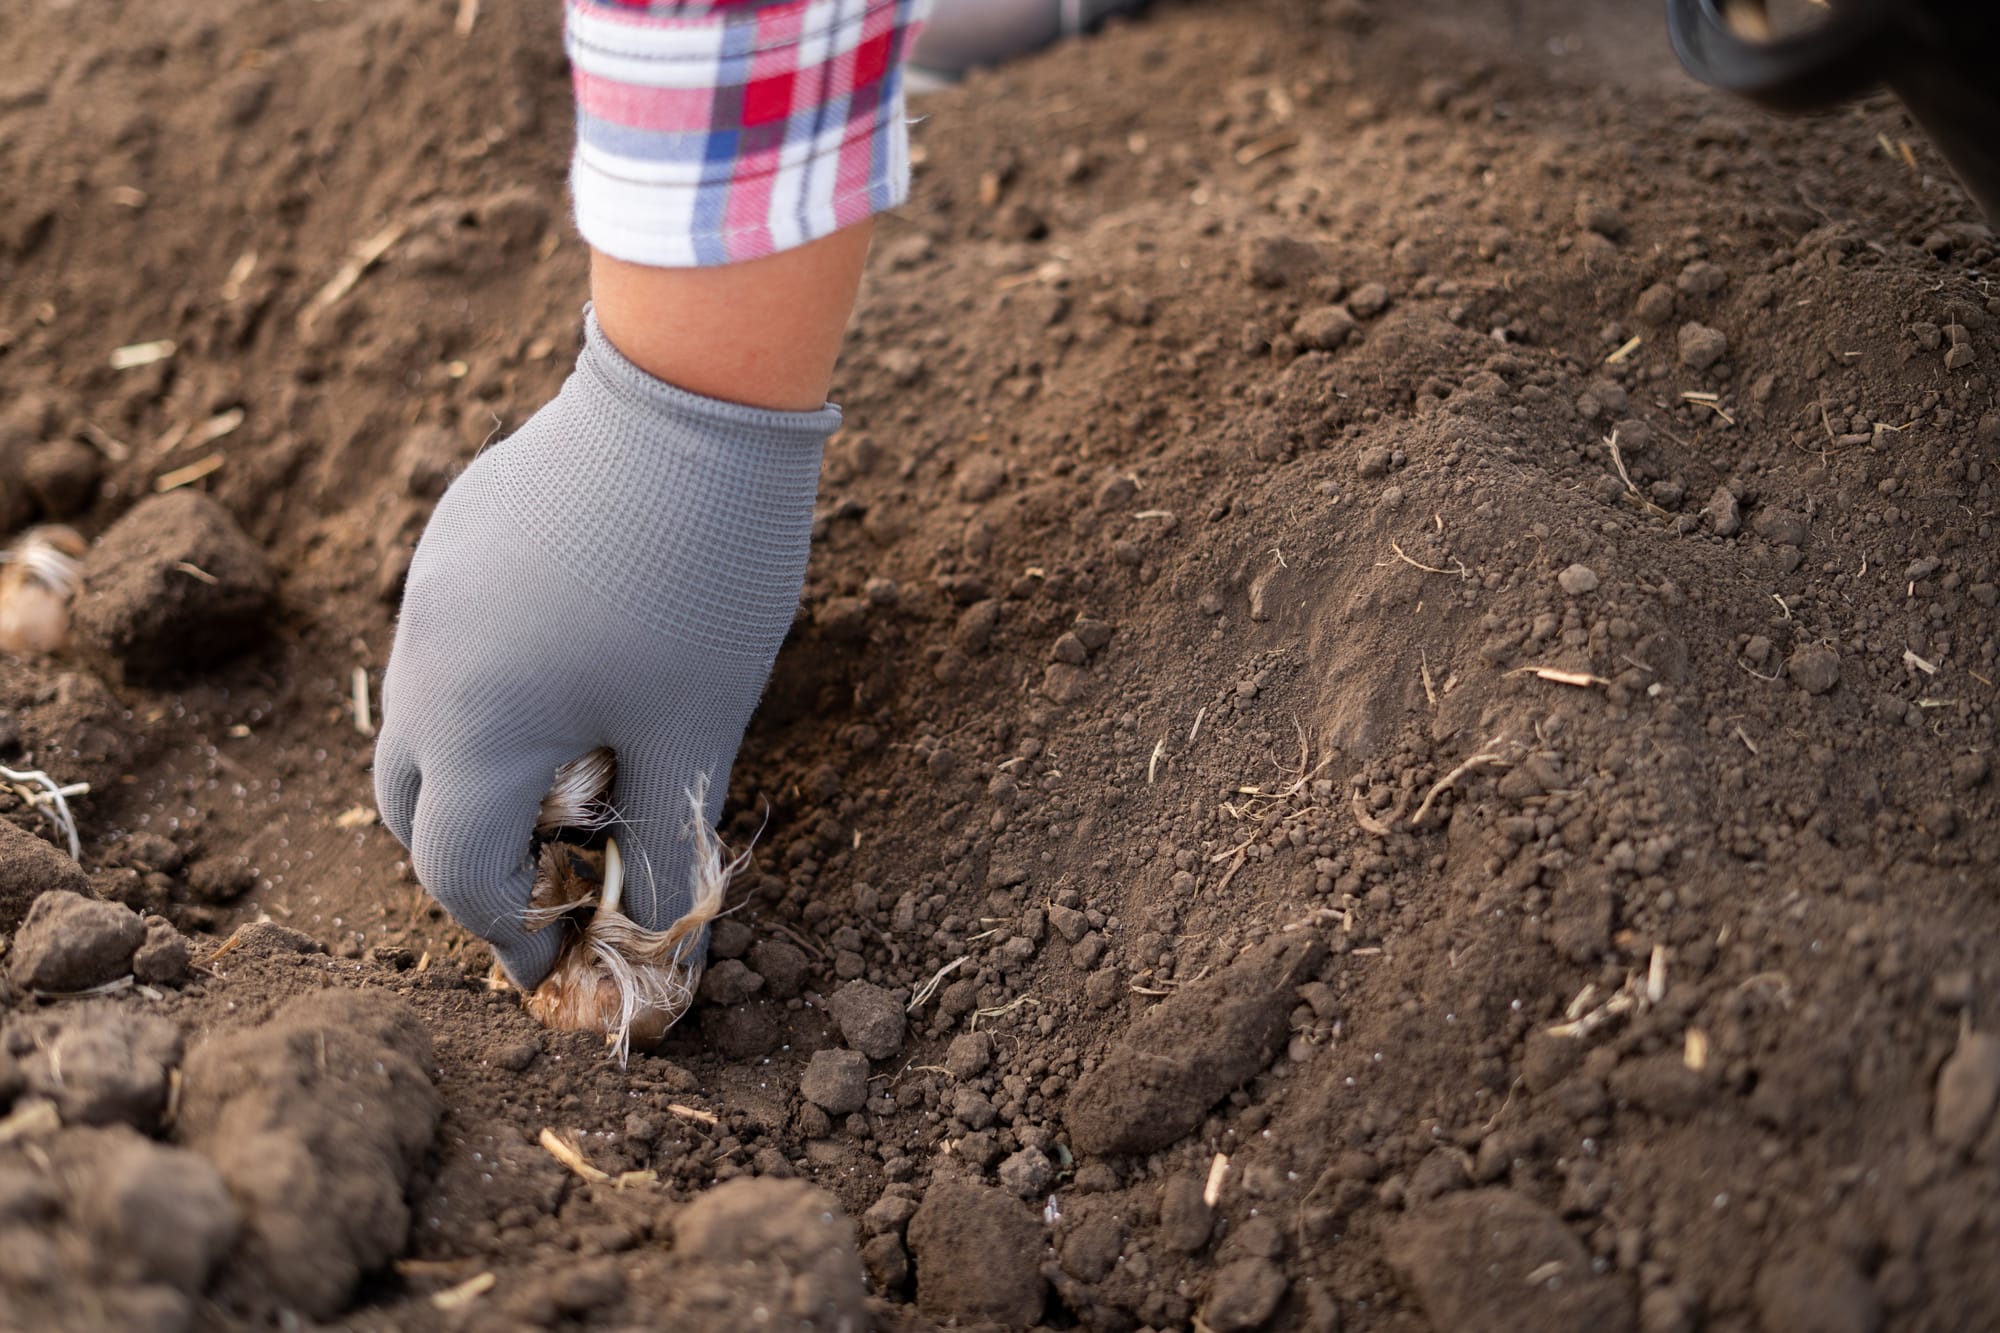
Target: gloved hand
column 619, row 572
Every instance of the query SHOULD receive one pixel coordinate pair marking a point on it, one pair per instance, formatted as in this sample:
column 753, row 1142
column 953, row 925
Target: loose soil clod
column 173, row 587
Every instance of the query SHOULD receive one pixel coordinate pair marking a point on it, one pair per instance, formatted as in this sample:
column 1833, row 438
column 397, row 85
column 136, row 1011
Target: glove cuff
column 653, row 398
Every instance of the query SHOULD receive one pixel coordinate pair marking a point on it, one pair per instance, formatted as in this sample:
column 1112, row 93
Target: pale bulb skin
column 37, row 582
column 579, row 995
column 34, row 620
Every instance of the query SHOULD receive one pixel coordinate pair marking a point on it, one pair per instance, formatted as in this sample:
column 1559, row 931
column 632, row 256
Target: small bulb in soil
column 39, row 575
column 614, row 976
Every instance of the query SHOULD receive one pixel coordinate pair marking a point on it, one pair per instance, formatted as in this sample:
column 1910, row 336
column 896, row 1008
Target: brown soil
column 1416, row 865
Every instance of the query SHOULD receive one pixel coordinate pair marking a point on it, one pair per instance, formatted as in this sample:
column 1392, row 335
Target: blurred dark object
column 1941, row 57
column 964, row 34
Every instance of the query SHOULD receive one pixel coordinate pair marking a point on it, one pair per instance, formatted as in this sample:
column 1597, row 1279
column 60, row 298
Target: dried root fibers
column 614, row 976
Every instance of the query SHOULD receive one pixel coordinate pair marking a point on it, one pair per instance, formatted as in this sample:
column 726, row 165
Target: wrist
column 762, row 333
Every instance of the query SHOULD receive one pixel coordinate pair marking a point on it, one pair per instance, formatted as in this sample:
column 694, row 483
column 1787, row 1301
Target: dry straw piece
column 614, row 976
column 39, row 575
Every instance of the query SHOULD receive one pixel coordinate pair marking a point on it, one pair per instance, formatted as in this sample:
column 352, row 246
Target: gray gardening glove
column 618, row 572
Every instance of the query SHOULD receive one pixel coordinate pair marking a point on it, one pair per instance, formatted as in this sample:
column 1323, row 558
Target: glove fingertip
column 528, row 956
column 494, row 913
column 470, row 849
column 398, row 783
column 667, row 802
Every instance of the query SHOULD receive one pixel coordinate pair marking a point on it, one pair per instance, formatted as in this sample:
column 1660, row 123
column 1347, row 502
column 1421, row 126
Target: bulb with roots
column 39, row 575
column 614, row 976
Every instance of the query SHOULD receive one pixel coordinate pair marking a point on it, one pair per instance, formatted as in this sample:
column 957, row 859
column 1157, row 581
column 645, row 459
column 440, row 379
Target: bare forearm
column 764, row 332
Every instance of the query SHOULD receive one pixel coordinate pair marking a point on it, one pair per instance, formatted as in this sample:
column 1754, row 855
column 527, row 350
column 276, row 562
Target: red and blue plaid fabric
column 718, row 132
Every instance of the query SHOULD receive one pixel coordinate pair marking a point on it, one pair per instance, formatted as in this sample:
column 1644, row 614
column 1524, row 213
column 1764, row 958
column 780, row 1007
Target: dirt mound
column 95, row 1065
column 316, row 1121
column 771, row 1253
column 1492, row 1260
column 70, row 943
column 1186, row 1054
column 1391, row 723
column 107, row 1229
column 29, row 868
column 977, row 1255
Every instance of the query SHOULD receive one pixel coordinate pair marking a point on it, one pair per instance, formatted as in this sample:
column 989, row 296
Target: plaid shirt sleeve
column 710, row 133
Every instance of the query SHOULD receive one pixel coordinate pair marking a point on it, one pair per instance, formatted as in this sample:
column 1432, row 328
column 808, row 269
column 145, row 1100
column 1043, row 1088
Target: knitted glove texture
column 621, row 572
